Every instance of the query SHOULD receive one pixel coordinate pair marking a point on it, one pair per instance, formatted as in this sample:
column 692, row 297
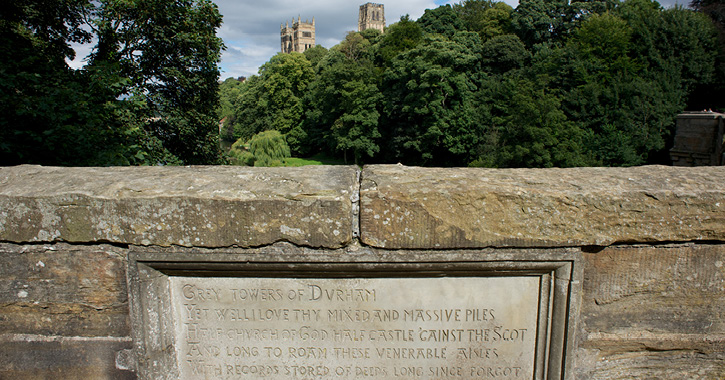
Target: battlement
column 298, row 37
column 372, row 16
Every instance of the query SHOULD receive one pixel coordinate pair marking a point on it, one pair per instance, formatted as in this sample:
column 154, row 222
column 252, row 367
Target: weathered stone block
column 62, row 358
column 408, row 207
column 652, row 364
column 60, row 289
column 653, row 312
column 677, row 289
column 185, row 206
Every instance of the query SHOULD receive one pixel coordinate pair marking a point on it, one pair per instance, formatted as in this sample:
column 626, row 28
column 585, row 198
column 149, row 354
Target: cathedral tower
column 299, row 37
column 372, row 16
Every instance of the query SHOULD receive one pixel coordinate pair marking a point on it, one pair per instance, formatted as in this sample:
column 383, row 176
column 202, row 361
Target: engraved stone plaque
column 346, row 321
column 350, row 328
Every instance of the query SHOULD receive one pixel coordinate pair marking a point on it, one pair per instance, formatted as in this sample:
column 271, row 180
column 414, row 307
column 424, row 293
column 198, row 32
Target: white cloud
column 251, row 28
column 242, row 59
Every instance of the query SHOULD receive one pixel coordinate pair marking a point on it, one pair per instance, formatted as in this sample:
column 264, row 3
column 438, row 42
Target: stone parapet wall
column 651, row 239
column 699, row 139
column 188, row 207
column 472, row 208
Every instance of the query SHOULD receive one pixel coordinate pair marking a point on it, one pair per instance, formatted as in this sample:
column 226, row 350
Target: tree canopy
column 550, row 83
column 273, row 100
column 148, row 94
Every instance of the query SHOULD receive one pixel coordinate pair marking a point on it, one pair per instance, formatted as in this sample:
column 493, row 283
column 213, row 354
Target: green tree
column 344, row 100
column 544, row 21
column 315, row 54
column 356, row 47
column 148, row 94
column 677, row 41
column 609, row 96
column 603, row 43
column 694, row 43
column 677, row 49
column 442, row 20
column 715, row 9
column 533, row 131
column 471, row 12
column 537, row 21
column 486, row 17
column 372, row 35
column 269, row 148
column 229, row 91
column 629, row 75
column 169, row 51
column 273, row 100
column 501, row 54
column 399, row 37
column 623, row 75
column 239, row 154
column 430, row 107
column 49, row 113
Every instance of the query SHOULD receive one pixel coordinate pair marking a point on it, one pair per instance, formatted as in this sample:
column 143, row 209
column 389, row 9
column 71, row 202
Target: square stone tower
column 372, row 16
column 299, row 37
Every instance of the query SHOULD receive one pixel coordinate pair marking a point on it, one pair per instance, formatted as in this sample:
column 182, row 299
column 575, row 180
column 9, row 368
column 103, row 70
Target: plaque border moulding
column 153, row 328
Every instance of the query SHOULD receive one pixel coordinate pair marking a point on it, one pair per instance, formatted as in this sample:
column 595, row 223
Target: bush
column 239, row 154
column 268, row 148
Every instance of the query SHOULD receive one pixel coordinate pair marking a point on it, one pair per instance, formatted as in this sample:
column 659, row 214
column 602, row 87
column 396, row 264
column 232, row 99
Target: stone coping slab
column 202, row 206
column 435, row 208
column 400, row 207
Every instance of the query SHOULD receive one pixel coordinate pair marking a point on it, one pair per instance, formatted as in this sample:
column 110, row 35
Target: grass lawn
column 318, row 159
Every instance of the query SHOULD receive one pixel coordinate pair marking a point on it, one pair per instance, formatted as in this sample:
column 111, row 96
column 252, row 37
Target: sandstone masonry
column 651, row 241
column 297, row 37
column 372, row 16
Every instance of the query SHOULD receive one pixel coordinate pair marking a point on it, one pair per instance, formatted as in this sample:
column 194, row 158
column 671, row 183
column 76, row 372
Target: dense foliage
column 147, row 95
column 267, row 148
column 550, row 83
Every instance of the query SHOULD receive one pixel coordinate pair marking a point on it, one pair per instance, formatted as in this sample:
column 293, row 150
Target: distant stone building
column 372, row 16
column 299, row 37
column 699, row 139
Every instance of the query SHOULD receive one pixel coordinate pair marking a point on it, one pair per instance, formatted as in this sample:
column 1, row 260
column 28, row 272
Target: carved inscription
column 377, row 328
